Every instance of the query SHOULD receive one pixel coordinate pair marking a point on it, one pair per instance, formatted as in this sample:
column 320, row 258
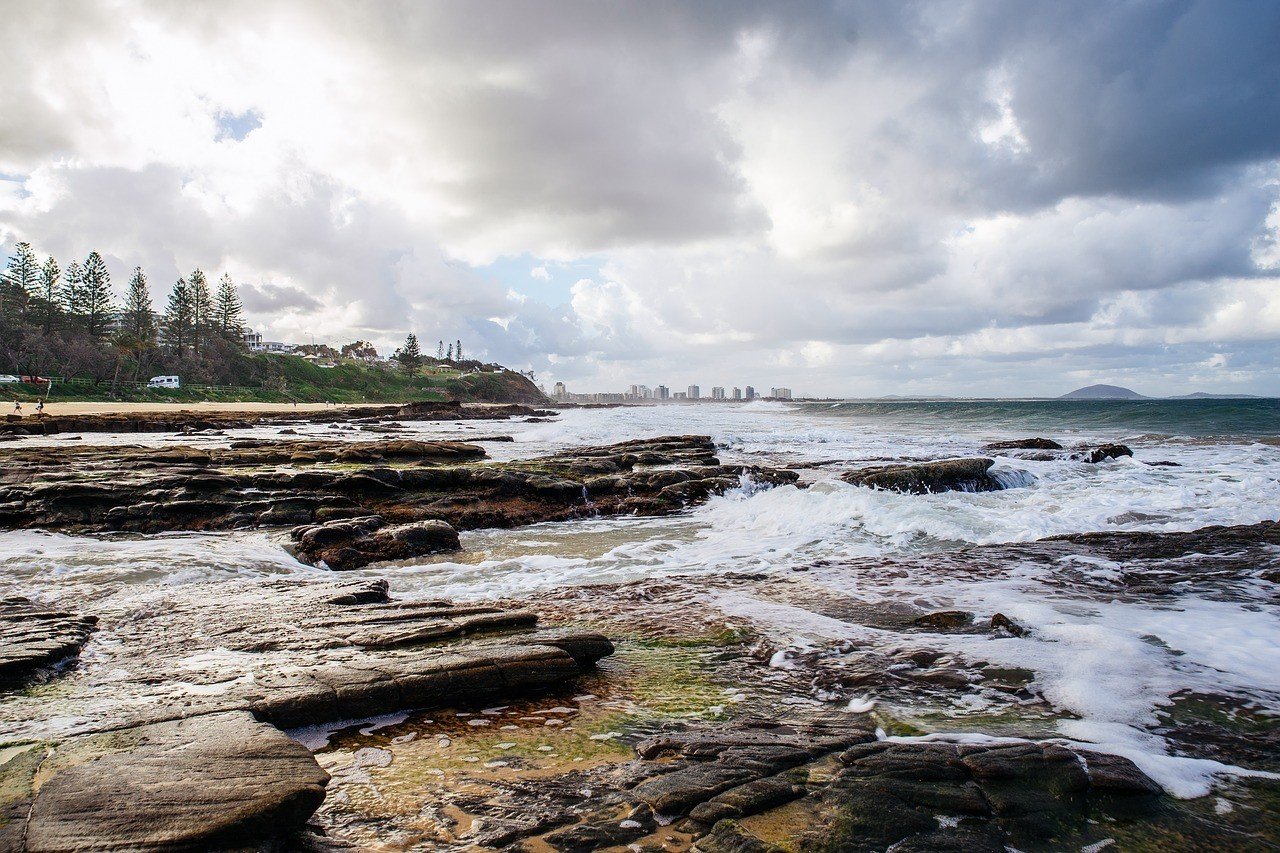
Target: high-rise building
column 717, row 393
column 680, row 395
column 694, row 392
column 751, row 393
column 780, row 393
column 559, row 391
column 737, row 393
column 662, row 392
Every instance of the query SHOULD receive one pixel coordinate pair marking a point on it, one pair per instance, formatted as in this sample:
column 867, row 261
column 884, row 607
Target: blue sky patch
column 237, row 125
column 550, row 285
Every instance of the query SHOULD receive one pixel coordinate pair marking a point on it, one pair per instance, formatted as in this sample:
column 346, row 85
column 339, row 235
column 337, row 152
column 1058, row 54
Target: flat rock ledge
column 265, row 483
column 160, row 767
column 187, row 420
column 213, row 782
column 948, row 475
column 34, row 637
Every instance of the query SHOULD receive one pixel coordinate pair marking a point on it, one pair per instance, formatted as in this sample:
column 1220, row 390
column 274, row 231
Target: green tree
column 410, row 355
column 139, row 319
column 19, row 283
column 70, row 291
column 178, row 315
column 201, row 308
column 449, row 354
column 440, row 351
column 457, row 350
column 228, row 310
column 94, row 305
column 46, row 304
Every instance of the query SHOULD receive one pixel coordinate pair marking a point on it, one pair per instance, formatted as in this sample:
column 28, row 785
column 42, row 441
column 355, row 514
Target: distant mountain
column 1103, row 392
column 1205, row 395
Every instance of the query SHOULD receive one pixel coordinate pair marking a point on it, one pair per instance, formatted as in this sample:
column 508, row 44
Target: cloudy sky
column 847, row 198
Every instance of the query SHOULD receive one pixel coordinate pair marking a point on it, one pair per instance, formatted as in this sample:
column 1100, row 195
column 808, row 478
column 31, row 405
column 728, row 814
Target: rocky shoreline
column 256, row 483
column 324, row 712
column 187, row 420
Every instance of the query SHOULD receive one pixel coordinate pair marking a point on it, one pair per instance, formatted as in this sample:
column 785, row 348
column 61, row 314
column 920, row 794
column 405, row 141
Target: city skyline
column 662, row 393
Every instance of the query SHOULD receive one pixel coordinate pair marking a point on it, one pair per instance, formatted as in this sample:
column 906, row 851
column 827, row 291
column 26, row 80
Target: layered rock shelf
column 33, row 637
column 166, row 744
column 183, row 420
column 263, row 483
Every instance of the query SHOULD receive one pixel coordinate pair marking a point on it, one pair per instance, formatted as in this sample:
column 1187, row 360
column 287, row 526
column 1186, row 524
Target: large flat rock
column 212, row 782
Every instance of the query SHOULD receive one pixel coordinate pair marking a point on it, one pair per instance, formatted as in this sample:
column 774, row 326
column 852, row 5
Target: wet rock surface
column 963, row 475
column 990, row 796
column 824, row 783
column 358, row 542
column 1045, row 449
column 33, row 636
column 192, row 421
column 171, row 739
column 213, row 782
column 1024, row 444
column 268, row 483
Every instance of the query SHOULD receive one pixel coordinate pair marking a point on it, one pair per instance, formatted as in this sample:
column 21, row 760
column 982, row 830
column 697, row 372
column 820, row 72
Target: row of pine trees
column 80, row 299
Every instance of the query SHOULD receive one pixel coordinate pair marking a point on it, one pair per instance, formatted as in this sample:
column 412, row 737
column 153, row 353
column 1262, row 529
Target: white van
column 164, row 382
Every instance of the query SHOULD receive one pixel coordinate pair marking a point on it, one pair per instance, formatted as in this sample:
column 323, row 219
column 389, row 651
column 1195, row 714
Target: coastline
column 765, row 681
column 52, row 409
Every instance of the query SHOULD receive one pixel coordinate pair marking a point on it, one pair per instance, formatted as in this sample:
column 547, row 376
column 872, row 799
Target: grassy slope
column 288, row 378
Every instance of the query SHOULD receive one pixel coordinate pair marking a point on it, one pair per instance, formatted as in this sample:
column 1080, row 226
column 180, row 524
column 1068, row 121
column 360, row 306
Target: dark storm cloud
column 1147, row 99
column 760, row 180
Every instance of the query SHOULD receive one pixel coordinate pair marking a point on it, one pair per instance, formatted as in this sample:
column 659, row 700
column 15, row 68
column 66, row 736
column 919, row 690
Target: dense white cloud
column 843, row 198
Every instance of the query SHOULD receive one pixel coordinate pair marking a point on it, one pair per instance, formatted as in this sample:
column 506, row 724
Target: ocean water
column 1106, row 665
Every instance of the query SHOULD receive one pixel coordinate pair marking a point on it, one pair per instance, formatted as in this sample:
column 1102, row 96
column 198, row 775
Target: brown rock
column 33, row 636
column 965, row 475
column 211, row 782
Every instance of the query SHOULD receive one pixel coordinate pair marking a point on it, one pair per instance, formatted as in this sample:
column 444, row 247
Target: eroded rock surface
column 356, row 542
column 170, row 739
column 991, row 796
column 33, row 636
column 190, row 421
column 963, row 475
column 182, row 488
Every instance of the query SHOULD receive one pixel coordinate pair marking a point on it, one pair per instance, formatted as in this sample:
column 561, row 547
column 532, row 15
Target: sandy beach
column 28, row 409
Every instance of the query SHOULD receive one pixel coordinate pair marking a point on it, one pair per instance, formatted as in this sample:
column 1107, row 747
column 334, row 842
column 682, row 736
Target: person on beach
column 17, row 408
column 39, row 407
